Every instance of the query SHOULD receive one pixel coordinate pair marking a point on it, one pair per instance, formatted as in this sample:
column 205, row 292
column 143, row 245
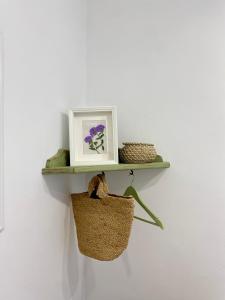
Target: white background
column 44, row 77
column 162, row 63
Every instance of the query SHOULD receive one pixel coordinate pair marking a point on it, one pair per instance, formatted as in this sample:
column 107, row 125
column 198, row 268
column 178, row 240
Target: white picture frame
column 93, row 136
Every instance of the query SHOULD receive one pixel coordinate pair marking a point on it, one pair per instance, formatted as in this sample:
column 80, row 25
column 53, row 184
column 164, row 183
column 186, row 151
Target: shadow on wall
column 142, row 179
column 70, row 257
column 88, row 278
column 78, row 275
column 60, row 187
column 64, row 131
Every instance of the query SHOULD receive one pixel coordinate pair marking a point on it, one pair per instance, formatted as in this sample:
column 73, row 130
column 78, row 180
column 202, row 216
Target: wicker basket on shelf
column 137, row 153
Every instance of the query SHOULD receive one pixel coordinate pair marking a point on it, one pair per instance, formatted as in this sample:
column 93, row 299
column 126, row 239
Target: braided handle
column 98, row 187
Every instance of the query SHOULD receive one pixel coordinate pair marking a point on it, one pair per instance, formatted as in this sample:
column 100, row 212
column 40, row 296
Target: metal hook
column 131, row 173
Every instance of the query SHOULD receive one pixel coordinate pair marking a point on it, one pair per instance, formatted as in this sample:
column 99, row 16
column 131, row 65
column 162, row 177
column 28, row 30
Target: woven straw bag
column 103, row 220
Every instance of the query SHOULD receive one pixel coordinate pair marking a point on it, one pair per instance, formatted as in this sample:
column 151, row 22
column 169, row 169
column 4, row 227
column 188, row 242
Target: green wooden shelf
column 59, row 164
column 99, row 168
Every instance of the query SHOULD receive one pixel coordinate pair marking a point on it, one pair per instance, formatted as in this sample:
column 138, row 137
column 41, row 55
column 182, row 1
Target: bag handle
column 97, row 187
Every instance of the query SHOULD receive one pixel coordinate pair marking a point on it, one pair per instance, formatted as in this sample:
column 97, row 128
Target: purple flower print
column 100, row 128
column 88, row 139
column 96, row 138
column 93, row 131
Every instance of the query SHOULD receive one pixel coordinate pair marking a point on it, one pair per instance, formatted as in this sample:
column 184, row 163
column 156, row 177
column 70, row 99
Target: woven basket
column 103, row 220
column 137, row 153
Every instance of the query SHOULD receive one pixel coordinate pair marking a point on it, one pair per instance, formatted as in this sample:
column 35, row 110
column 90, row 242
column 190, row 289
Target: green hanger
column 130, row 191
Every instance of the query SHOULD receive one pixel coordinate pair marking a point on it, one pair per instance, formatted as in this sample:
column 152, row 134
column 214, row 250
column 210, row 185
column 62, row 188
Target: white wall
column 162, row 63
column 44, row 75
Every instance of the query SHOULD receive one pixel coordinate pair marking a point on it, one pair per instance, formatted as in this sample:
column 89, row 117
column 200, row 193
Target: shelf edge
column 105, row 168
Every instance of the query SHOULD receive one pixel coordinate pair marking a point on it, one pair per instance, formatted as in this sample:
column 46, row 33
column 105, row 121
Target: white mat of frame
column 1, row 133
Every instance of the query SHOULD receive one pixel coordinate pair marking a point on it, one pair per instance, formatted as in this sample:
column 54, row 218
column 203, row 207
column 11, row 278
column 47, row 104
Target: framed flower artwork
column 93, row 136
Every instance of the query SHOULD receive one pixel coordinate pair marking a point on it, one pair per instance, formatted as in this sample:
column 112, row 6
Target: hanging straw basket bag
column 103, row 220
